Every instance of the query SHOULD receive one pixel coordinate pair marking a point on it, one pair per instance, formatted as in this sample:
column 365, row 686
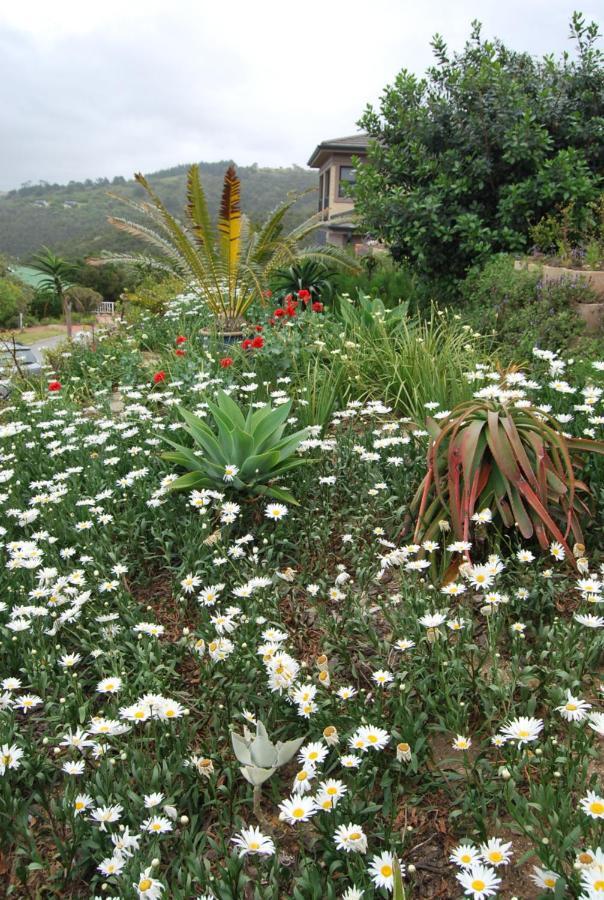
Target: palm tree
column 229, row 265
column 57, row 279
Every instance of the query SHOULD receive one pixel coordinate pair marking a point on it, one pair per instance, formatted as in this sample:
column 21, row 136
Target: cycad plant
column 246, row 452
column 513, row 461
column 230, row 265
column 304, row 274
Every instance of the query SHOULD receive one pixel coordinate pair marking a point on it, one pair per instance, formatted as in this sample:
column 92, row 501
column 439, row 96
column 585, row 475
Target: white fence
column 106, row 308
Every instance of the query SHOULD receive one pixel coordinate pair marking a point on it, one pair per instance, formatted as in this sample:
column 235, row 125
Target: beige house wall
column 337, row 205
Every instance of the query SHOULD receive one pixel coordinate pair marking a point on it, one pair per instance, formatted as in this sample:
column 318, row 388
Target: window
column 324, row 181
column 347, row 179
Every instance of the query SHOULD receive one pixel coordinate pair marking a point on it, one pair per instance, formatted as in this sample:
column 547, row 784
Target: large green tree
column 466, row 159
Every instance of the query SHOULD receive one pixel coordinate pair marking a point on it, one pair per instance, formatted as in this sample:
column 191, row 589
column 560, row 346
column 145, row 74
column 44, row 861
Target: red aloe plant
column 515, row 462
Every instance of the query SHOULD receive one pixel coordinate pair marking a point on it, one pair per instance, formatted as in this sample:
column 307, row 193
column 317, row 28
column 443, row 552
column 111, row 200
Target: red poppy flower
column 180, row 352
column 279, row 312
column 268, row 294
column 246, row 344
column 258, row 343
column 226, row 361
column 258, row 327
column 304, row 295
column 181, row 339
column 272, row 322
column 159, row 376
column 290, row 309
column 54, row 385
column 317, row 307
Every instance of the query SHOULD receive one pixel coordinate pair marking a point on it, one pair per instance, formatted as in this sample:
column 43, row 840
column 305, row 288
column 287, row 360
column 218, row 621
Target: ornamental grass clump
column 246, row 452
column 500, row 454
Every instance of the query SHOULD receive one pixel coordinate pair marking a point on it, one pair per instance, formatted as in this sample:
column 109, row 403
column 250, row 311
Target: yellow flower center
column 109, row 687
column 466, row 858
column 145, row 884
column 170, row 713
column 523, row 733
column 386, row 871
column 478, row 885
column 571, row 707
column 585, row 858
column 495, row 856
column 254, row 845
column 598, row 885
column 156, row 827
column 79, row 805
column 372, row 738
column 331, row 791
column 139, row 714
column 298, row 812
column 549, row 882
column 597, row 807
column 355, row 836
column 313, row 755
column 302, row 776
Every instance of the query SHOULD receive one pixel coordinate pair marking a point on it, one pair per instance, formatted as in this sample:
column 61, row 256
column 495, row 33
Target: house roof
column 350, row 144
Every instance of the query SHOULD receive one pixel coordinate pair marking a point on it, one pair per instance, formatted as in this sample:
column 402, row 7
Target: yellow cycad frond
column 229, row 219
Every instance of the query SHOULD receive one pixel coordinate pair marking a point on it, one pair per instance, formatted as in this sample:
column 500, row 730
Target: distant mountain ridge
column 71, row 219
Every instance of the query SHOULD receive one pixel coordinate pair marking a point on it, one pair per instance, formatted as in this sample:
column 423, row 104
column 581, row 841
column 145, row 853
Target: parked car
column 16, row 359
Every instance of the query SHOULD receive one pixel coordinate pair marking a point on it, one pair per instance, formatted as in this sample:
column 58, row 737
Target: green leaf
column 259, row 466
column 228, row 406
column 190, row 481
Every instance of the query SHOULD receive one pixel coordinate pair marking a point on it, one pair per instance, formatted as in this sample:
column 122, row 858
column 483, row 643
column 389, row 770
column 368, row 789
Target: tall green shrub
column 464, row 160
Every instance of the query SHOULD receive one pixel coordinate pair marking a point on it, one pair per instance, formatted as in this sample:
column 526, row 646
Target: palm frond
column 151, row 237
column 197, row 211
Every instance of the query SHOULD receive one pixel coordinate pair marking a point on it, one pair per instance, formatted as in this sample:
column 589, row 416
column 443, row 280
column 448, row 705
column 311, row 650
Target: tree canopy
column 464, row 160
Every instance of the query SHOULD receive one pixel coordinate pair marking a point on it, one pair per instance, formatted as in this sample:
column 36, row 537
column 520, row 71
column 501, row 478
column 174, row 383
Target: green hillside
column 72, row 218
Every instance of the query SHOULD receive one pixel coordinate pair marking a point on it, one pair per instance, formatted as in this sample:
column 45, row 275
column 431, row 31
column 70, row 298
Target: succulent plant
column 260, row 758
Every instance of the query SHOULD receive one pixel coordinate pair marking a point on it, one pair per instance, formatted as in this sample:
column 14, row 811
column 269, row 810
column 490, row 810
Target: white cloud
column 106, row 88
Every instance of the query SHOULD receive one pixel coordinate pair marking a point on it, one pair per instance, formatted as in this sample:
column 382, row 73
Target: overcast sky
column 94, row 88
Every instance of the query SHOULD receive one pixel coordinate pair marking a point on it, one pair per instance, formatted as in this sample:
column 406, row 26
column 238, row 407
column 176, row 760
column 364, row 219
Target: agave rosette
column 512, row 460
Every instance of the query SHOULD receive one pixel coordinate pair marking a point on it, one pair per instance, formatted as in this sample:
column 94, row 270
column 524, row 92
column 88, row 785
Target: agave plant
column 230, row 265
column 514, row 462
column 246, row 452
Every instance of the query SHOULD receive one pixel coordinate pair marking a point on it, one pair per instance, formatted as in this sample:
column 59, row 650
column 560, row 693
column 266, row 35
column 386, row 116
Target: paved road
column 47, row 344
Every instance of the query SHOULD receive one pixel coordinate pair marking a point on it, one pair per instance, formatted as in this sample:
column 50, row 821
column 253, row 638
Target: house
column 333, row 159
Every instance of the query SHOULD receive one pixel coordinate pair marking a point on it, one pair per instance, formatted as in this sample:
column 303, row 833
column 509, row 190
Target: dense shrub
column 521, row 311
column 464, row 160
column 14, row 299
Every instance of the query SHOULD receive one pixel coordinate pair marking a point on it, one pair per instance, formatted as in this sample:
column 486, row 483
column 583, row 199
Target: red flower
column 258, row 327
column 317, row 307
column 267, row 294
column 54, row 385
column 290, row 309
column 279, row 312
column 246, row 344
column 181, row 339
column 258, row 343
column 180, row 352
column 158, row 377
column 272, row 321
column 225, row 362
column 288, row 298
column 304, row 295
